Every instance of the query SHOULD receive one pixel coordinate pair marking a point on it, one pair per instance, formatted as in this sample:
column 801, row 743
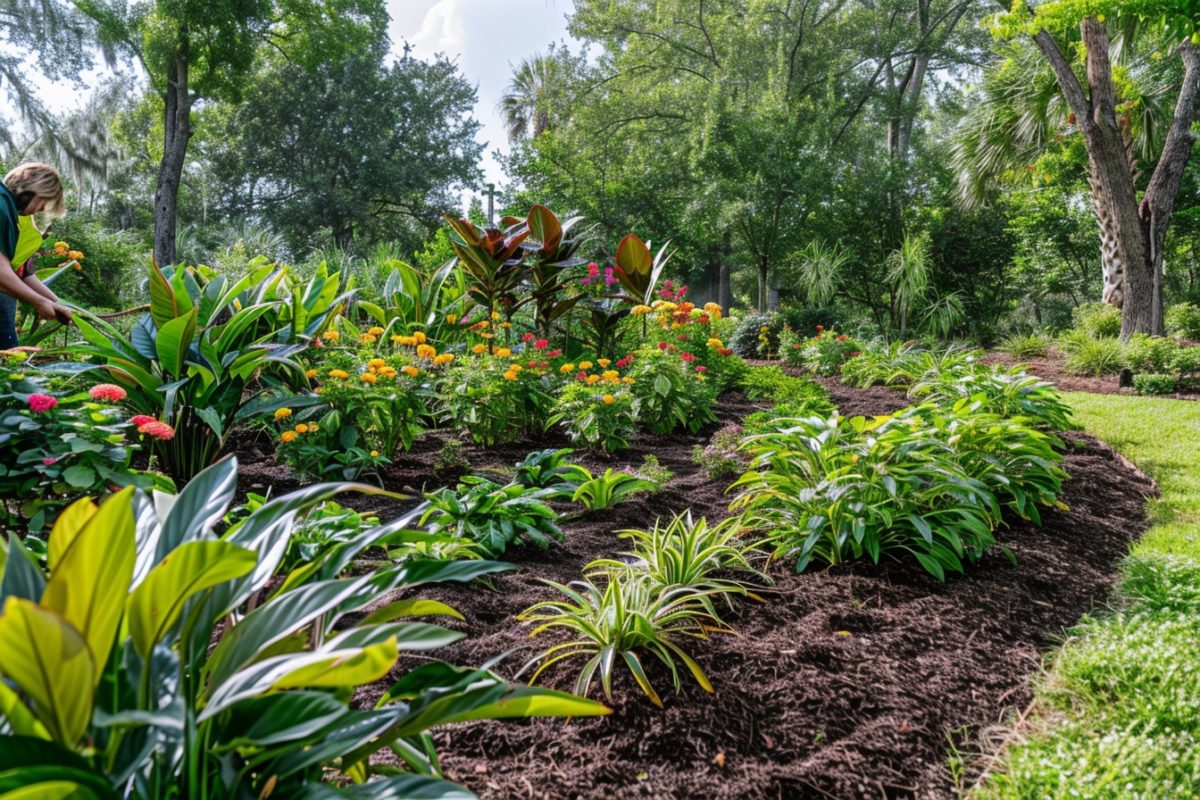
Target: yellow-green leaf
column 157, row 603
column 20, row 719
column 68, row 525
column 88, row 586
column 49, row 659
column 49, row 790
column 346, row 668
column 411, row 607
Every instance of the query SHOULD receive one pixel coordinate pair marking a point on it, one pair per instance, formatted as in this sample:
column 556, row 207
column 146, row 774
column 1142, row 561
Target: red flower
column 701, row 369
column 527, row 337
column 666, row 294
column 543, row 364
column 317, row 345
column 663, row 345
column 41, row 402
column 159, row 430
column 842, row 338
column 688, row 357
column 581, row 375
column 554, row 353
column 668, row 285
column 724, row 351
column 142, row 419
column 531, row 364
column 682, row 337
column 107, row 391
column 820, row 328
column 48, row 461
column 540, row 344
column 703, row 319
column 855, row 353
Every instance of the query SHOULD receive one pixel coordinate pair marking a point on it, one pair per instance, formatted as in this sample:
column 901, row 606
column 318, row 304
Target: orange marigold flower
column 603, row 362
column 368, row 377
column 503, row 352
column 312, row 373
column 368, row 338
column 375, row 330
column 410, row 370
column 376, row 363
column 510, row 376
column 608, row 399
column 340, row 374
column 387, row 372
column 282, row 413
column 331, row 336
column 592, row 380
column 288, row 436
column 479, row 349
column 419, row 337
column 585, row 365
column 301, row 428
column 566, row 368
column 426, row 351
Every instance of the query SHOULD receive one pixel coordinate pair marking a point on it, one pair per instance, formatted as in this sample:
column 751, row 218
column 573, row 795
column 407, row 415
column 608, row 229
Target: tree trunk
column 177, row 130
column 1132, row 234
column 724, row 283
column 762, row 283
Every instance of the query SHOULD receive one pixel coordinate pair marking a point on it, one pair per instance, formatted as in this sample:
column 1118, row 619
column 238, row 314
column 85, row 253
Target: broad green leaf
column 89, row 584
column 164, row 306
column 396, row 787
column 50, row 660
column 174, row 338
column 21, row 720
column 21, row 577
column 50, row 790
column 68, row 525
column 283, row 717
column 200, row 505
column 352, row 667
column 157, row 603
column 79, row 476
column 413, row 607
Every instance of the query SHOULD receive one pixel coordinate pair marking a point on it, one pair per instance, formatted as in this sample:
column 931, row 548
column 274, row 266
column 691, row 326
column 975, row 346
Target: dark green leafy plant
column 605, row 491
column 1006, row 393
column 595, row 417
column 1149, row 383
column 491, row 515
column 542, row 469
column 1026, row 345
column 1091, row 356
column 668, row 394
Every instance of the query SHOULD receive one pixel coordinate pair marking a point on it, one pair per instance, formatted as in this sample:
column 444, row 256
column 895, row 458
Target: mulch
column 847, row 682
column 1052, row 368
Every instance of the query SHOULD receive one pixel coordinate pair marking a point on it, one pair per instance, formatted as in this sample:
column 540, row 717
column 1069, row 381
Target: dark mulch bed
column 848, row 682
column 1052, row 368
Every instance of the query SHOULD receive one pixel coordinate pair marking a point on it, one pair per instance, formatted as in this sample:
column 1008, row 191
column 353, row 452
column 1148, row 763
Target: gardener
column 29, row 189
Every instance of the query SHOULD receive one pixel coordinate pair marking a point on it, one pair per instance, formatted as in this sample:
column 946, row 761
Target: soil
column 1052, row 368
column 846, row 682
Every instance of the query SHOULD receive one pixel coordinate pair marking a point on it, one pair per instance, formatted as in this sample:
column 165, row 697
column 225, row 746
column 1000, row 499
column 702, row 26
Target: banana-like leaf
column 165, row 305
column 89, row 584
column 545, row 228
column 411, row 607
column 201, row 504
column 157, row 603
column 396, row 787
column 284, row 717
column 37, row 766
column 174, row 338
column 50, row 661
column 21, row 577
column 69, row 523
column 21, row 720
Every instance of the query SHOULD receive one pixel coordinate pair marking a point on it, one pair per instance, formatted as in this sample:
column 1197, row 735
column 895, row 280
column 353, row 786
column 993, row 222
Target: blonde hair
column 40, row 180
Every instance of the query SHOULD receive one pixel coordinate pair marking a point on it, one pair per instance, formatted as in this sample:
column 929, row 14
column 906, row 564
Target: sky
column 484, row 37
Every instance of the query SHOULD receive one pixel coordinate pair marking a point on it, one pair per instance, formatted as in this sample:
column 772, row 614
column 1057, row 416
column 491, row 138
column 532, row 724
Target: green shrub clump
column 1152, row 383
column 774, row 385
column 1183, row 321
column 747, row 337
column 1089, row 356
column 1097, row 320
column 1030, row 345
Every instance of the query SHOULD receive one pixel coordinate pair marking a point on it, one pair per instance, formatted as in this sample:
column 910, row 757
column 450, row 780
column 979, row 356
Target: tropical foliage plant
column 606, row 490
column 490, row 515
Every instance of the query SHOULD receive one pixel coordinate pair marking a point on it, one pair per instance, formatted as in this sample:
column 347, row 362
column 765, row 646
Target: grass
column 1119, row 705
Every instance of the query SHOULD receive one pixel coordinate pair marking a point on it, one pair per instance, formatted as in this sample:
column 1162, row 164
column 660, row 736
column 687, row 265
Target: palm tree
column 525, row 104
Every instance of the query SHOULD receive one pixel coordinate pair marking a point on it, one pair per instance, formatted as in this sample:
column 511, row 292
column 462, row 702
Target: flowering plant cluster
column 597, row 416
column 497, row 396
column 55, row 447
column 823, row 354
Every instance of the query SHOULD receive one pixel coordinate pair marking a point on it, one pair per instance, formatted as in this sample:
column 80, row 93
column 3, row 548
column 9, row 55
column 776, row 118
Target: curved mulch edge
column 848, row 682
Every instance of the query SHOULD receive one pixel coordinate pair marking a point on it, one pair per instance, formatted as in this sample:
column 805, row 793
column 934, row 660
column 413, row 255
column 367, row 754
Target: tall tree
column 352, row 150
column 195, row 50
column 534, row 92
column 1133, row 216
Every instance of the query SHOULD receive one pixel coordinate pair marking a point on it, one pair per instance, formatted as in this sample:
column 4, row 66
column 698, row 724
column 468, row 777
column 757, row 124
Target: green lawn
column 1119, row 713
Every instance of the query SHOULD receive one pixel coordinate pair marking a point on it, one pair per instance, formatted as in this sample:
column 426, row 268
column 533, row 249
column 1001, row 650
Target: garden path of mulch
column 849, row 682
column 1052, row 368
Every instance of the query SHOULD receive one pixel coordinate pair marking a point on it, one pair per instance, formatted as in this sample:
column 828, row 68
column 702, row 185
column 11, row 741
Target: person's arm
column 10, row 284
column 34, row 282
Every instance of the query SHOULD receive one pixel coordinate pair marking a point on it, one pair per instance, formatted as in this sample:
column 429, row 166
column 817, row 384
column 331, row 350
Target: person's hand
column 45, row 309
column 63, row 314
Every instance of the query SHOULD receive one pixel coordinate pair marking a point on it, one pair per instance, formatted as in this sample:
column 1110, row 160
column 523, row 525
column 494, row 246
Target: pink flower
column 527, row 337
column 666, row 294
column 586, row 281
column 107, row 391
column 668, row 285
column 159, row 430
column 48, row 461
column 663, row 345
column 688, row 357
column 41, row 402
column 609, row 278
column 682, row 337
column 581, row 375
column 681, row 292
column 593, row 270
column 554, row 353
column 841, row 338
column 141, row 419
column 700, row 368
column 541, row 344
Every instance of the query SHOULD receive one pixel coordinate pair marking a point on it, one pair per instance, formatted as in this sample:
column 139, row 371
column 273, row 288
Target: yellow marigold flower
column 608, row 399
column 503, row 352
column 340, row 374
column 510, row 376
column 612, row 376
column 419, row 337
column 714, row 342
column 604, row 362
column 75, row 254
column 288, row 436
column 368, row 338
column 515, row 367
column 627, row 380
column 585, row 365
column 505, row 325
column 368, row 377
column 313, row 427
column 675, row 325
column 61, row 245
column 488, row 335
column 593, row 380
column 397, row 338
column 312, row 373
column 452, row 318
column 375, row 330
column 565, row 368
column 495, row 315
column 426, row 351
column 667, row 306
column 376, row 363
column 639, row 310
column 410, row 370
column 479, row 348
column 407, row 341
column 444, row 358
column 374, row 454
column 387, row 372
column 301, row 428
column 713, row 310
column 331, row 336
column 78, row 267
column 282, row 413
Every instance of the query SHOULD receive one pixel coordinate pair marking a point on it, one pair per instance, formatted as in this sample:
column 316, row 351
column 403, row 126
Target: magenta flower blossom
column 41, row 402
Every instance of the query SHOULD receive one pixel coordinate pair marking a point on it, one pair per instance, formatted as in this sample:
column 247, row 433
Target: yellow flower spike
column 479, row 349
column 301, row 428
column 331, row 336
column 288, row 436
column 282, row 413
column 608, row 399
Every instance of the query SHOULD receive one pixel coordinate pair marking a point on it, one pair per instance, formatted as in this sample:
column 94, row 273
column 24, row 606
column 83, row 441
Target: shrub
column 610, row 625
column 720, row 458
column 774, row 385
column 132, row 624
column 493, row 399
column 652, row 470
column 1088, row 356
column 491, row 515
column 1097, row 320
column 805, row 321
column 669, row 392
column 1183, row 321
column 1186, row 361
column 1029, row 345
column 605, row 491
column 1007, row 393
column 823, row 354
column 747, row 335
column 1150, row 383
column 542, row 469
column 450, row 459
column 1150, row 353
column 596, row 417
column 901, row 364
column 840, row 489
